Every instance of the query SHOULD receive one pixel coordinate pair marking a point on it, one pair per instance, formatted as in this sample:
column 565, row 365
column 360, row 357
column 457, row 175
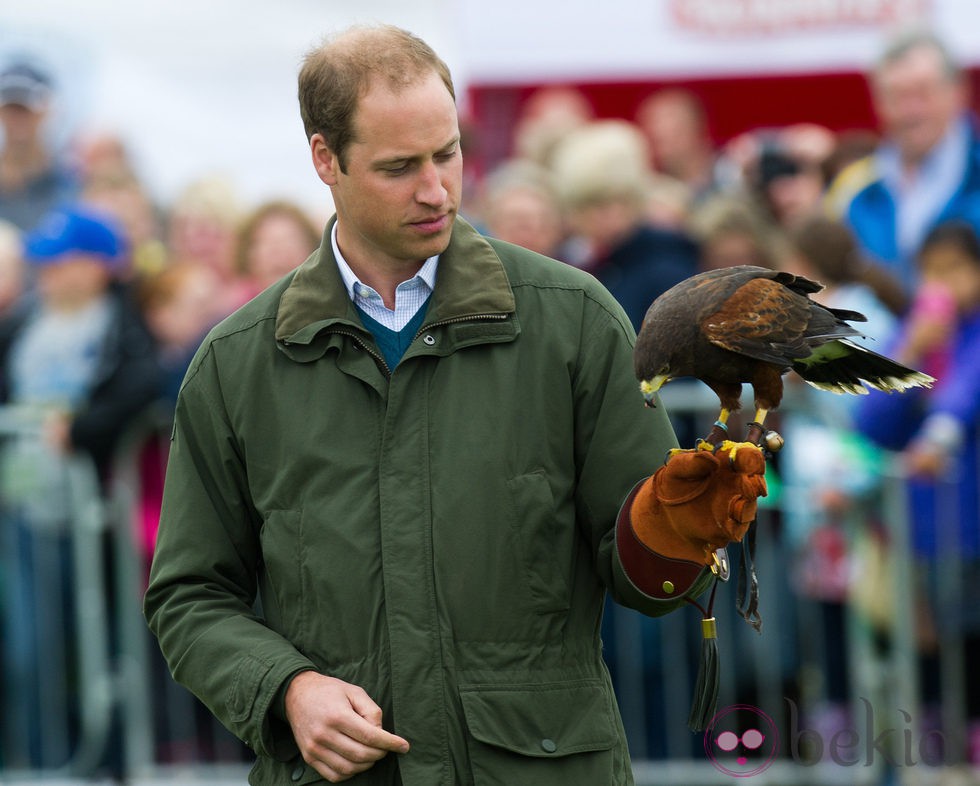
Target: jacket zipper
column 454, row 320
column 360, row 342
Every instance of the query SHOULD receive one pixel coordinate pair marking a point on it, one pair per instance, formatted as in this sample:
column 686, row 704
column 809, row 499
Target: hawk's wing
column 761, row 319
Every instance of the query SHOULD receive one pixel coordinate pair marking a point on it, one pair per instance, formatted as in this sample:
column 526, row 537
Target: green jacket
column 441, row 536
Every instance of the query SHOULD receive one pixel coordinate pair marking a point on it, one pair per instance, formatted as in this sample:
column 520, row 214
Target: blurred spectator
column 549, row 115
column 12, row 273
column 82, row 351
column 830, row 473
column 203, row 229
column 852, row 146
column 732, row 230
column 825, row 250
column 676, row 127
column 935, row 431
column 927, row 169
column 176, row 303
column 81, row 364
column 31, row 181
column 520, row 205
column 790, row 173
column 118, row 192
column 277, row 237
column 669, row 202
column 95, row 152
column 603, row 180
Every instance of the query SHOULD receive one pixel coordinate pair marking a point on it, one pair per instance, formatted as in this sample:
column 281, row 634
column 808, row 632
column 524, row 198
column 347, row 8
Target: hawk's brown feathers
column 750, row 324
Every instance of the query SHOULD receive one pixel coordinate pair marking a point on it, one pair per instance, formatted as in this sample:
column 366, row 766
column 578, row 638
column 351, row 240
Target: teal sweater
column 393, row 343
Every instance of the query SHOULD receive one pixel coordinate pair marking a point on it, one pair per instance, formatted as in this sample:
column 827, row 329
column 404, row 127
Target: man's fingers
column 341, row 757
column 335, row 769
column 364, row 705
column 337, row 726
column 373, row 736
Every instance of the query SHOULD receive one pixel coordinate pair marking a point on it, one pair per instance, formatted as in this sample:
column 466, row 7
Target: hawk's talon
column 674, row 451
column 704, row 444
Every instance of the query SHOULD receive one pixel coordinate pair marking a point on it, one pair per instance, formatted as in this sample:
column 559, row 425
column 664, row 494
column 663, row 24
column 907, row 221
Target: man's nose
column 430, row 189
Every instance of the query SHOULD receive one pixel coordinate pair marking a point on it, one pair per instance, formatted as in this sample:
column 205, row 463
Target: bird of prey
column 748, row 324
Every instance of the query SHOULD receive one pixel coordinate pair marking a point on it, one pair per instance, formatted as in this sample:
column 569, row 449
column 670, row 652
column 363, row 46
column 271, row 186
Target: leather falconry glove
column 700, row 501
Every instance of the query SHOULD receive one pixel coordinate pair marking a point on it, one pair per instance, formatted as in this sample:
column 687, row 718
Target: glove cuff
column 652, row 572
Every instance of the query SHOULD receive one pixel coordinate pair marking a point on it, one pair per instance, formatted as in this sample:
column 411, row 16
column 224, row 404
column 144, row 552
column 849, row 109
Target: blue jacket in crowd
column 867, row 207
column 892, row 420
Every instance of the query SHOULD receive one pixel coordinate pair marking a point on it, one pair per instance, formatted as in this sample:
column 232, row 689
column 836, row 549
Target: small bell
column 773, row 441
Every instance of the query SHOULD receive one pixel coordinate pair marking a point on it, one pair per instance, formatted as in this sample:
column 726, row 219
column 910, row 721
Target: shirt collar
column 426, row 274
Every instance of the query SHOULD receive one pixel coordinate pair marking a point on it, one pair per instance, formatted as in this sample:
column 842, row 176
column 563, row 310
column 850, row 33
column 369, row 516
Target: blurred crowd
column 887, row 221
column 105, row 295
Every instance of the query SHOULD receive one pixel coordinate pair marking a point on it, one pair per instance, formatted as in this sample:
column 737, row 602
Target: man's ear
column 325, row 162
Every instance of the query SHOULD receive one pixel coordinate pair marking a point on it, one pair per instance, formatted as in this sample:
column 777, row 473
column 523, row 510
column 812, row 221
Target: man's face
column 21, row 124
column 916, row 101
column 398, row 198
column 72, row 280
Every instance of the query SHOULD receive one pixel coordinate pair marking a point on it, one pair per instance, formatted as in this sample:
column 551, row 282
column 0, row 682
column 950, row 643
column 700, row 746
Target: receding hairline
column 375, row 46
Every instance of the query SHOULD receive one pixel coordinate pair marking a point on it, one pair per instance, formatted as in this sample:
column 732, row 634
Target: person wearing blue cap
column 80, row 362
column 82, row 351
column 32, row 181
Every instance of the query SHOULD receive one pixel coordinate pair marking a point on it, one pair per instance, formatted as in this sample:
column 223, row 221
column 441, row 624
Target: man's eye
column 396, row 170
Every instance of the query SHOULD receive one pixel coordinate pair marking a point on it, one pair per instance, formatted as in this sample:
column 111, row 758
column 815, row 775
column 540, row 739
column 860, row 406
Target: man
column 31, row 183
column 927, row 170
column 604, row 184
column 676, row 126
column 413, row 450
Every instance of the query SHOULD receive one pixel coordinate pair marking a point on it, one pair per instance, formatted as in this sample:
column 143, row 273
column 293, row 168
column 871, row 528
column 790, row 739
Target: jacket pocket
column 563, row 734
column 540, row 541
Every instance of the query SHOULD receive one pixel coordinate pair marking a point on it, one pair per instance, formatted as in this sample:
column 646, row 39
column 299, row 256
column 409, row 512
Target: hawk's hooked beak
column 649, row 388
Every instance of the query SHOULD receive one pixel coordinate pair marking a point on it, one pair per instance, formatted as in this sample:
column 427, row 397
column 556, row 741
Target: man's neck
column 383, row 276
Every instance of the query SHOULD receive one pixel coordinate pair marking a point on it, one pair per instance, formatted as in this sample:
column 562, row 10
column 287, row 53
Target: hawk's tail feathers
column 843, row 367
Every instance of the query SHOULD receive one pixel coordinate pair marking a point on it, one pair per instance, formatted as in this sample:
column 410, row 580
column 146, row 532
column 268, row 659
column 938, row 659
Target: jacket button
column 429, row 339
column 548, row 746
column 297, row 772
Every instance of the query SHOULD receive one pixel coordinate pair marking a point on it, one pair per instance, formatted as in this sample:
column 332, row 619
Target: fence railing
column 84, row 690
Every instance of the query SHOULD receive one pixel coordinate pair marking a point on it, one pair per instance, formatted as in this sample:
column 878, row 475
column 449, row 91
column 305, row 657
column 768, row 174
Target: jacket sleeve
column 619, row 443
column 203, row 581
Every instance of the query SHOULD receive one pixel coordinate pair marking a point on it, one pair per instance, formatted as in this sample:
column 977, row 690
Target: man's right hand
column 337, row 726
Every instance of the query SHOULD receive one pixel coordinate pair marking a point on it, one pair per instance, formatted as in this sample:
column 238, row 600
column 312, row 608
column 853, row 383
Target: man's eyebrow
column 398, row 160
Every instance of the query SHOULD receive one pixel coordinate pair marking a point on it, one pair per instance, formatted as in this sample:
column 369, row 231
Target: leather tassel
column 706, row 688
column 709, row 667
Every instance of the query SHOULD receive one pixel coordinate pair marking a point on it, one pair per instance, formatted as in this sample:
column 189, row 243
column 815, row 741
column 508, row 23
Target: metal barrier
column 107, row 706
column 84, row 690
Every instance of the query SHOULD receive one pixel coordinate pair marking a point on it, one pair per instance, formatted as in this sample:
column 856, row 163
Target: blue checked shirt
column 409, row 295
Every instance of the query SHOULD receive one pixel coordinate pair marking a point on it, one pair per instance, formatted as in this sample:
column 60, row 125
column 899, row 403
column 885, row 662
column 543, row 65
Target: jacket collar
column 470, row 283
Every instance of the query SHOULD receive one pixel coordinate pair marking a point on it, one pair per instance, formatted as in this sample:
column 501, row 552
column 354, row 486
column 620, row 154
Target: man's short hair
column 337, row 73
column 911, row 39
